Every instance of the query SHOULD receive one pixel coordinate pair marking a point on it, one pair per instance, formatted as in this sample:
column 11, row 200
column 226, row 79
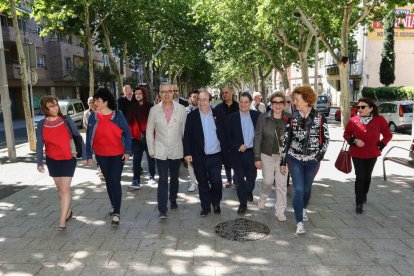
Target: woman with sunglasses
column 305, row 143
column 363, row 135
column 270, row 130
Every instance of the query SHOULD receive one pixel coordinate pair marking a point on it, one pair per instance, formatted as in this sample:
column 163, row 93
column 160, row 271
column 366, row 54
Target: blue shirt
column 211, row 142
column 247, row 129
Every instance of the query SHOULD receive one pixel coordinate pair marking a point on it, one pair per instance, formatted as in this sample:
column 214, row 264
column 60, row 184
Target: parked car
column 354, row 111
column 72, row 107
column 323, row 105
column 399, row 114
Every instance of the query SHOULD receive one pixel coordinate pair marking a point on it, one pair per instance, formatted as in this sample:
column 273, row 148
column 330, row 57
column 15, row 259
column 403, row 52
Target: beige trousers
column 271, row 174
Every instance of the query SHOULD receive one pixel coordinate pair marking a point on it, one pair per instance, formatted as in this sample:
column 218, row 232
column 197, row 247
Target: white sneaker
column 192, row 187
column 305, row 215
column 152, row 181
column 281, row 217
column 300, row 229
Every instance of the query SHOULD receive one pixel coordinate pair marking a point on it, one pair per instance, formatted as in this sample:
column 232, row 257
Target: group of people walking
column 241, row 135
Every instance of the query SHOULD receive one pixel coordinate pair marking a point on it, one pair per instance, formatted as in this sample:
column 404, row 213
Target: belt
column 211, row 155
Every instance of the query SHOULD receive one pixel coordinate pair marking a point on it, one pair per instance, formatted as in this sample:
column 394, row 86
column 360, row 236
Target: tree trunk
column 90, row 49
column 285, row 78
column 25, row 82
column 304, row 66
column 112, row 61
column 255, row 79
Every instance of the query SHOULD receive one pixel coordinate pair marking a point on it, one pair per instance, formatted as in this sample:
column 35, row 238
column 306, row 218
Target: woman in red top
column 55, row 132
column 363, row 135
column 137, row 121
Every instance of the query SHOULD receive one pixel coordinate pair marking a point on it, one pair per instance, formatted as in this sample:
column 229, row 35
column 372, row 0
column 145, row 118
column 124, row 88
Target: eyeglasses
column 278, row 103
column 166, row 91
column 361, row 106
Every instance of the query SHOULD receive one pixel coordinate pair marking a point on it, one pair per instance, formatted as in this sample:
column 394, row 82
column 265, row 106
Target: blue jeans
column 208, row 174
column 138, row 149
column 245, row 174
column 303, row 173
column 165, row 167
column 111, row 167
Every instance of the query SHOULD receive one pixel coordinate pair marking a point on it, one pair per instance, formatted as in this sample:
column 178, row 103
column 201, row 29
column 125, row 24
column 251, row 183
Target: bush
column 390, row 93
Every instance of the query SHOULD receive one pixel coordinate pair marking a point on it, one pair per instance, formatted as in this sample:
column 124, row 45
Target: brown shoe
column 228, row 184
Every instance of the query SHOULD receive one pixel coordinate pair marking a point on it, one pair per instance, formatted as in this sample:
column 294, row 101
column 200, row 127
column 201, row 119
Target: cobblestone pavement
column 337, row 242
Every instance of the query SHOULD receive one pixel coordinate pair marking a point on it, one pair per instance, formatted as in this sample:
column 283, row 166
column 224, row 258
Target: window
column 22, row 24
column 105, row 61
column 69, row 39
column 68, row 64
column 71, row 109
column 41, row 61
column 78, row 107
column 55, row 36
column 39, row 29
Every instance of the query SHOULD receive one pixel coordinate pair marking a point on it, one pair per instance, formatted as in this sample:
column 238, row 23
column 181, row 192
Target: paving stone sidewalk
column 337, row 242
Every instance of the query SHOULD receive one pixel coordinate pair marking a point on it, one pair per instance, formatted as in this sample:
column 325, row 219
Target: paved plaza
column 337, row 242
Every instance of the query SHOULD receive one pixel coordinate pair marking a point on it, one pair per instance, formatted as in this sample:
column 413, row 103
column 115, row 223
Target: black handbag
column 343, row 161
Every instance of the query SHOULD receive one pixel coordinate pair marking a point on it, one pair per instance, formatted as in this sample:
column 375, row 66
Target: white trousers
column 271, row 174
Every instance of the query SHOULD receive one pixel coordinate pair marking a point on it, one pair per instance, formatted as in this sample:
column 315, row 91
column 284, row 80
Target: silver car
column 399, row 114
column 323, row 105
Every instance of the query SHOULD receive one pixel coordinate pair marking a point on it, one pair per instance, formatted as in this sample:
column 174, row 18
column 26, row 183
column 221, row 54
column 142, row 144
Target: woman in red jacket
column 363, row 135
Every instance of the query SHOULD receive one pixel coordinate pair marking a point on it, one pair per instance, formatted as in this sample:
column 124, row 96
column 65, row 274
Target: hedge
column 389, row 92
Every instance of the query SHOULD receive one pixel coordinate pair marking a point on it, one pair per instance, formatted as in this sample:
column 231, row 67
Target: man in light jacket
column 165, row 130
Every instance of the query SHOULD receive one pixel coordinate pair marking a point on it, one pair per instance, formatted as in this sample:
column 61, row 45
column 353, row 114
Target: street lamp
column 300, row 14
column 162, row 47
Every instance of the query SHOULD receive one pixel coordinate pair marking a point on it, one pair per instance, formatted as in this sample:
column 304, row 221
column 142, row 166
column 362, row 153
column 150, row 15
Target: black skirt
column 59, row 168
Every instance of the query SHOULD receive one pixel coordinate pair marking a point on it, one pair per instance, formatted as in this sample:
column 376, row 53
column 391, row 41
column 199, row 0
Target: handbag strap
column 345, row 146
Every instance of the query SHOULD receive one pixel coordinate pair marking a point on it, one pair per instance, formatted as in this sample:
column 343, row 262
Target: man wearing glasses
column 165, row 130
column 202, row 149
column 177, row 97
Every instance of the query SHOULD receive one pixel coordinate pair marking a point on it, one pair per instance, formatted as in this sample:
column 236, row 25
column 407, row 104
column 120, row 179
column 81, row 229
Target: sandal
column 115, row 220
column 61, row 228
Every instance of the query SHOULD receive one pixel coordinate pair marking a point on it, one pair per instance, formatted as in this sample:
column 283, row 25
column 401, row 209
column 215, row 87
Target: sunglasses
column 279, row 103
column 361, row 106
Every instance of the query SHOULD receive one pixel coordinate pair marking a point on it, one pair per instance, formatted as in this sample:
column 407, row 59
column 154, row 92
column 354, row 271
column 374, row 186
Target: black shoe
column 359, row 209
column 242, row 209
column 162, row 215
column 216, row 209
column 173, row 205
column 365, row 199
column 204, row 213
column 250, row 197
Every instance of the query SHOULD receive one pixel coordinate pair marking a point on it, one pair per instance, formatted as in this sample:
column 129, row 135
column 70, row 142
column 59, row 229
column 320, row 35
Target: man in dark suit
column 221, row 111
column 202, row 149
column 240, row 134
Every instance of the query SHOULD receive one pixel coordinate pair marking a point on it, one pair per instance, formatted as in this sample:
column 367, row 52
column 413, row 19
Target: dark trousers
column 138, row 149
column 363, row 172
column 167, row 167
column 245, row 175
column 303, row 173
column 111, row 167
column 208, row 175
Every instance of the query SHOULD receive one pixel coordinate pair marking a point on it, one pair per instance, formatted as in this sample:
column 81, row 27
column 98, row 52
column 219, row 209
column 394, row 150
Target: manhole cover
column 242, row 229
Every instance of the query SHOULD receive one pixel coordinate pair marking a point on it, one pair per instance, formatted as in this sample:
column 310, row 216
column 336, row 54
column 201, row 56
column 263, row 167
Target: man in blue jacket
column 240, row 134
column 202, row 149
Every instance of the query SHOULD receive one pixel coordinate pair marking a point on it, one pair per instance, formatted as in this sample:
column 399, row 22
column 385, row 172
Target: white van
column 399, row 114
column 72, row 107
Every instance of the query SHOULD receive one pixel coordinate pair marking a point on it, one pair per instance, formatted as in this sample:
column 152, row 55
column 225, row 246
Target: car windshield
column 407, row 108
column 322, row 99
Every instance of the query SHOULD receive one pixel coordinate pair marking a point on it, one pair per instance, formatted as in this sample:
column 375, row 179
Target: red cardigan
column 370, row 134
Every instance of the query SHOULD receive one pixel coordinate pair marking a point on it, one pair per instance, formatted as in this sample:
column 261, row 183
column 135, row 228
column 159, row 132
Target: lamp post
column 306, row 22
column 162, row 47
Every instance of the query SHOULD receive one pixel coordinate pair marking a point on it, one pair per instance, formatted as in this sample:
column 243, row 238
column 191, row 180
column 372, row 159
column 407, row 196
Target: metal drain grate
column 242, row 229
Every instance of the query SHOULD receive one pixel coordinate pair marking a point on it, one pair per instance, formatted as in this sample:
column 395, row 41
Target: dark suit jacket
column 194, row 137
column 234, row 133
